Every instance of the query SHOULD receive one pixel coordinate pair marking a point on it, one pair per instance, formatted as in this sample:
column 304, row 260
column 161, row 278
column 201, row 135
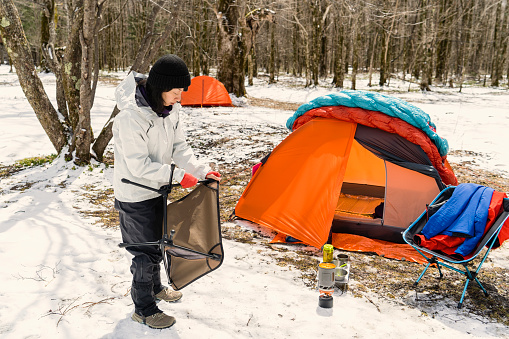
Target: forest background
column 429, row 42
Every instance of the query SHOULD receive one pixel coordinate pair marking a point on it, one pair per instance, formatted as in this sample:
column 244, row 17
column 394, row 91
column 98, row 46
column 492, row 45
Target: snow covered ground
column 63, row 276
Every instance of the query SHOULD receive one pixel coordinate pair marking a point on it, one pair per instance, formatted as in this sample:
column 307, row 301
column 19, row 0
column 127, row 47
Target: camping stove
column 326, row 278
column 326, row 283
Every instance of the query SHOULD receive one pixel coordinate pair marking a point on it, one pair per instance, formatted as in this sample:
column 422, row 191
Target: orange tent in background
column 206, row 91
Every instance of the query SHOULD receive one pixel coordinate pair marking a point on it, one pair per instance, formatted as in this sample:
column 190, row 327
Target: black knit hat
column 168, row 72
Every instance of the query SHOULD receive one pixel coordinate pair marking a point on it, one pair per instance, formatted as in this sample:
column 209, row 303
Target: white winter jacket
column 146, row 145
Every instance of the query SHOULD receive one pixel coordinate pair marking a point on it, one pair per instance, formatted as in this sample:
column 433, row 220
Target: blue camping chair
column 440, row 259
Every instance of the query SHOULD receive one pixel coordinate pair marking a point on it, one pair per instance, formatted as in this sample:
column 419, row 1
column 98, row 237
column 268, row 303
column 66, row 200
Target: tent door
column 406, row 196
column 363, row 187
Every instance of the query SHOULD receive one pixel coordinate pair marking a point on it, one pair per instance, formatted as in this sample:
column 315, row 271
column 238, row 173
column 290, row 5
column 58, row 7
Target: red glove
column 217, row 174
column 188, row 180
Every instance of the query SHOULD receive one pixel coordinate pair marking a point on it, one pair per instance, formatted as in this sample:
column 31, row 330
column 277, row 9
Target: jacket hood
column 141, row 101
column 128, row 96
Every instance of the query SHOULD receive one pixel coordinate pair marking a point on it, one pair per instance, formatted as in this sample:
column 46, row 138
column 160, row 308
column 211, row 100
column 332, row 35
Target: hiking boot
column 169, row 295
column 158, row 320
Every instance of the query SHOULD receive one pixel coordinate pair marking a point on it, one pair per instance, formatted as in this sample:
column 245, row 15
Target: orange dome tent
column 348, row 171
column 206, row 91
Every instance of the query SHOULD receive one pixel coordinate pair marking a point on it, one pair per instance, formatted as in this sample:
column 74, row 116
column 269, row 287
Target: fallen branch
column 371, row 301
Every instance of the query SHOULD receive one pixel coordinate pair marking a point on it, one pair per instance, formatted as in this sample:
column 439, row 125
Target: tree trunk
column 72, row 64
column 443, row 41
column 82, row 137
column 196, row 42
column 254, row 21
column 372, row 59
column 500, row 37
column 427, row 32
column 236, row 37
column 307, row 64
column 272, row 59
column 339, row 76
column 356, row 37
column 255, row 64
column 19, row 51
column 463, row 37
column 386, row 35
column 315, row 39
column 295, row 45
column 52, row 56
column 323, row 43
column 383, row 60
column 250, row 72
column 231, row 45
column 205, row 43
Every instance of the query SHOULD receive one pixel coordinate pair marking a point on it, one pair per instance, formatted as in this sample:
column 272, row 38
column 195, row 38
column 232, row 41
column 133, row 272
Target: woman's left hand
column 213, row 175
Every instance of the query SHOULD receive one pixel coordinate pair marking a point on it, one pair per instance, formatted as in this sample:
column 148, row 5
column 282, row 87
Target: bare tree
column 500, row 41
column 307, row 50
column 338, row 43
column 232, row 44
column 254, row 21
column 235, row 40
column 82, row 136
column 53, row 56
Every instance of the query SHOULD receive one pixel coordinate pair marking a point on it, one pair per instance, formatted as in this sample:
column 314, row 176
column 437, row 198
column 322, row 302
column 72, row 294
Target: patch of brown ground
column 269, row 103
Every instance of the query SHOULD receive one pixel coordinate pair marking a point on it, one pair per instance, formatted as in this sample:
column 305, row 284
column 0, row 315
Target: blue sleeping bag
column 464, row 215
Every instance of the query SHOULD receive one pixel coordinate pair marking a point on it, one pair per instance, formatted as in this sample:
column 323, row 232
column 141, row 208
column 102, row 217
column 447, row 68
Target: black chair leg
column 439, row 270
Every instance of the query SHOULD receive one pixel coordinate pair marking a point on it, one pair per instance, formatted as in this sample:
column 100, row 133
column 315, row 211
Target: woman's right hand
column 213, row 175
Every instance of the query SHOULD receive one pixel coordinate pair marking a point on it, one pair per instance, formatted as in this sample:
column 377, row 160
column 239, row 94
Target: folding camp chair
column 194, row 246
column 440, row 259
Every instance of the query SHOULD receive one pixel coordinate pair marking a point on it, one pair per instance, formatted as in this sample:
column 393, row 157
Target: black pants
column 142, row 222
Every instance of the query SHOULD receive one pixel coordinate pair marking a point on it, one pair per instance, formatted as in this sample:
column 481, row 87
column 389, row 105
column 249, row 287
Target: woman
column 148, row 137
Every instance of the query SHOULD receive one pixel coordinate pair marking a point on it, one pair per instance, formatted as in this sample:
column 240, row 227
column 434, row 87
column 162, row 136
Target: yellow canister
column 328, row 250
column 327, row 266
